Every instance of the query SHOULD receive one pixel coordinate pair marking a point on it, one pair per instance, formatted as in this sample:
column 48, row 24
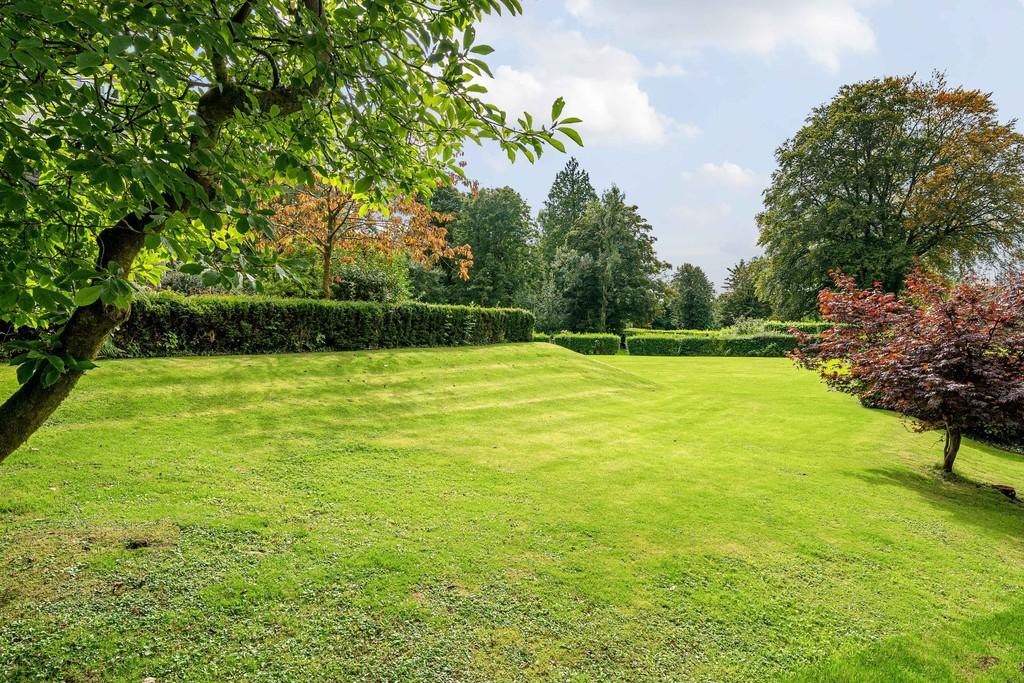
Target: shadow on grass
column 969, row 501
column 994, row 451
column 987, row 648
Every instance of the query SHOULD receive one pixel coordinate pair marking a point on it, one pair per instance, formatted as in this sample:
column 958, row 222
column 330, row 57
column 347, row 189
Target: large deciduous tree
column 567, row 199
column 693, row 305
column 136, row 133
column 950, row 356
column 603, row 276
column 891, row 171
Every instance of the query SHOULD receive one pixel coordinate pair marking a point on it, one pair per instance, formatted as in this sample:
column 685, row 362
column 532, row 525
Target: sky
column 685, row 101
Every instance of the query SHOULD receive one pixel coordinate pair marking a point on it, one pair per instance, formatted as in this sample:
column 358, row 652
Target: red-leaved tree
column 949, row 356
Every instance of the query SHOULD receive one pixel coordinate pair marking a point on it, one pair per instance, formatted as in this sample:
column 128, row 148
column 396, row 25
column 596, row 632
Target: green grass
column 506, row 513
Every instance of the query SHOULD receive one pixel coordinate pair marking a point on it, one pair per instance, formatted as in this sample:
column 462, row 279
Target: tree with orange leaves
column 890, row 172
column 329, row 217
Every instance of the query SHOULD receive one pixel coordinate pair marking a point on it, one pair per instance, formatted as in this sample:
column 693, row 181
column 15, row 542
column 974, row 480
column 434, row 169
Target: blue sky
column 685, row 101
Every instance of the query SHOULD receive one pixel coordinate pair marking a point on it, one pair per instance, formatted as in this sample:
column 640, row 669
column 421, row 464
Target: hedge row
column 588, row 343
column 174, row 325
column 637, row 331
column 805, row 327
column 760, row 345
column 770, row 326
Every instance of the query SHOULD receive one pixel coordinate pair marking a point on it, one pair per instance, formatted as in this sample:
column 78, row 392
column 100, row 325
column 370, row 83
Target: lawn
column 517, row 512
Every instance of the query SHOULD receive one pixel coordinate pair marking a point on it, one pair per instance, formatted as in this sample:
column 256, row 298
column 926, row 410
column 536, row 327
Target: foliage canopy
column 693, row 306
column 890, row 171
column 602, row 278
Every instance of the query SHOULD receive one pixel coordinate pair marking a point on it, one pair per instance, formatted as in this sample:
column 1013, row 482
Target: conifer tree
column 566, row 202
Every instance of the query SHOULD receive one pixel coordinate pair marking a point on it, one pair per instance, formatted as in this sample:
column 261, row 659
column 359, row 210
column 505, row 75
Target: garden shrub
column 541, row 337
column 748, row 326
column 1010, row 438
column 814, row 327
column 371, row 277
column 588, row 343
column 168, row 324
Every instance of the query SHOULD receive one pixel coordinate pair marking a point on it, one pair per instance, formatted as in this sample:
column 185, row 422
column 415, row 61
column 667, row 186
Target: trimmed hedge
column 770, row 326
column 760, row 345
column 173, row 325
column 805, row 327
column 588, row 343
column 541, row 337
column 638, row 331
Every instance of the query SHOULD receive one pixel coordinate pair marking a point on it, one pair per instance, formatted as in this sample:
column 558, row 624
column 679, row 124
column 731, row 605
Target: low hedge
column 760, row 345
column 173, row 325
column 638, row 331
column 770, row 326
column 588, row 343
column 655, row 344
column 541, row 337
column 805, row 327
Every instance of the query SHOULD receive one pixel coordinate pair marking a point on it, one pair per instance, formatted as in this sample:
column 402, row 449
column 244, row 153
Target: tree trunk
column 328, row 263
column 82, row 337
column 952, row 446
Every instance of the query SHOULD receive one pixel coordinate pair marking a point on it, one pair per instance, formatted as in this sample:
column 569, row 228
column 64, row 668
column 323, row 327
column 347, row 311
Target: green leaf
column 53, row 14
column 119, row 44
column 192, row 268
column 572, row 135
column 557, row 108
column 482, row 49
column 87, row 295
column 89, row 60
column 50, row 376
column 210, row 219
column 26, row 370
column 80, row 365
column 57, row 362
column 363, row 185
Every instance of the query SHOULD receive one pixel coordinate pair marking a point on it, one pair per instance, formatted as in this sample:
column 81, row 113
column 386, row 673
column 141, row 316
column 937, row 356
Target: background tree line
column 890, row 173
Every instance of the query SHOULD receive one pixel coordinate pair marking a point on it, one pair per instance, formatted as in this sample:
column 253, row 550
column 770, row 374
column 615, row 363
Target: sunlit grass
column 504, row 513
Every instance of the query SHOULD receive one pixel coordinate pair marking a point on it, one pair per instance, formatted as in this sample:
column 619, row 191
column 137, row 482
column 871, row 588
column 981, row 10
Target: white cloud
column 725, row 173
column 824, row 30
column 601, row 84
column 712, row 219
column 713, row 235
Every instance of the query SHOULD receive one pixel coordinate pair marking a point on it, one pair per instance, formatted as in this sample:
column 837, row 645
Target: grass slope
column 504, row 513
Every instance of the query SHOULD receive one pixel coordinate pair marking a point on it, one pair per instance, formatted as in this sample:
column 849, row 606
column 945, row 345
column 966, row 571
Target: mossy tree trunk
column 82, row 337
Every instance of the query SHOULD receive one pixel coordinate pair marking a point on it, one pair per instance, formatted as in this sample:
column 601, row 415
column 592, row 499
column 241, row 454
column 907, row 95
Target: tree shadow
column 968, row 501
